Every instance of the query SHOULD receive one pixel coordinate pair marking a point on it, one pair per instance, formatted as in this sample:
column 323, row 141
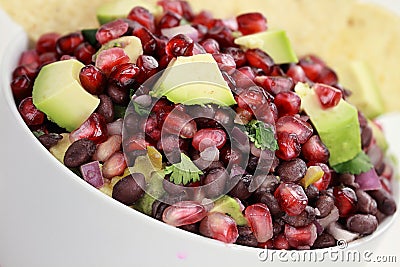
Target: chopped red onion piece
column 332, row 217
column 368, row 180
column 92, row 174
column 341, row 234
column 182, row 29
column 115, row 127
column 210, row 154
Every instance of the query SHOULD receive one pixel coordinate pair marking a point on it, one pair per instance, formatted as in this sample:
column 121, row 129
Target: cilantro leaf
column 360, row 163
column 38, row 133
column 119, row 111
column 184, row 171
column 261, row 135
column 140, row 109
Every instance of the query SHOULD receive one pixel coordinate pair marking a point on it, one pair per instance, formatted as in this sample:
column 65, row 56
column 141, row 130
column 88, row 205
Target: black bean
column 325, row 204
column 106, row 108
column 157, row 209
column 225, row 117
column 118, row 95
column 129, row 189
column 364, row 224
column 216, row 179
column 79, row 152
column 252, row 164
column 269, row 183
column 365, row 203
column 193, row 228
column 277, row 226
column 384, row 200
column 366, row 136
column 347, row 179
column 246, row 237
column 132, row 123
column 49, row 140
column 292, row 171
column 268, row 199
column 324, row 240
column 312, row 192
column 241, row 189
column 304, row 218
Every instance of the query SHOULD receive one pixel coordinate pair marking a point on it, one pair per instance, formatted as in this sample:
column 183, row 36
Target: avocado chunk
column 58, row 93
column 131, row 45
column 194, row 80
column 338, row 127
column 231, row 207
column 379, row 136
column 113, row 10
column 360, row 80
column 274, row 42
column 154, row 190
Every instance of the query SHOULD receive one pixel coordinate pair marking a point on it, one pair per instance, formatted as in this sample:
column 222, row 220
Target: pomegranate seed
column 111, row 30
column 178, row 45
column 135, row 142
column 143, row 16
column 243, row 116
column 291, row 198
column 180, row 123
column 148, row 40
column 29, row 58
column 84, row 53
column 187, row 11
column 323, row 183
column 94, row 129
column 345, row 200
column 173, row 6
column 225, row 60
column 288, row 103
column 251, row 23
column 210, row 45
column 151, row 128
column 203, row 18
column 238, row 55
column 289, row 146
column 266, row 113
column 24, row 70
column 21, row 87
column 301, row 236
column 293, row 125
column 47, row 43
column 114, row 166
column 259, row 59
column 251, row 99
column 31, row 115
column 296, row 73
column 315, row 150
column 92, row 79
column 107, row 59
column 106, row 149
column 327, row 76
column 196, row 49
column 222, row 34
column 67, row 44
column 201, row 31
column 280, row 242
column 124, row 75
column 184, row 213
column 312, row 68
column 169, row 20
column 209, row 137
column 148, row 67
column 276, row 71
column 260, row 221
column 275, row 84
column 47, row 58
column 220, row 227
column 328, row 96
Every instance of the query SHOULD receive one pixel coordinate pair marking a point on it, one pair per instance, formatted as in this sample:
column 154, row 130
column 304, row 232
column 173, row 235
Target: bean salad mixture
column 210, row 125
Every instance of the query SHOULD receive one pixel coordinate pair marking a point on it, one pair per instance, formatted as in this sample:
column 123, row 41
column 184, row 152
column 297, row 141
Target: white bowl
column 50, row 217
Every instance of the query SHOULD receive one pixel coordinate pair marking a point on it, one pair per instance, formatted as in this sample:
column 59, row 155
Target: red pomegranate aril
column 288, row 103
column 21, row 87
column 298, row 237
column 220, row 227
column 151, row 128
column 250, row 23
column 84, row 53
column 169, row 20
column 345, row 200
column 203, row 18
column 124, row 75
column 92, row 79
column 114, row 166
column 328, row 96
column 276, row 71
column 184, row 213
column 289, row 146
column 47, row 42
column 135, row 142
column 293, row 125
column 259, row 59
column 266, row 113
column 243, row 115
column 24, row 70
column 251, row 98
column 210, row 45
column 209, row 137
column 178, row 45
column 291, row 198
column 29, row 58
column 111, row 30
column 314, row 150
column 311, row 68
column 47, row 58
column 280, row 242
column 66, row 44
column 143, row 16
column 238, row 55
column 323, row 183
column 230, row 156
column 180, row 123
column 107, row 59
column 173, row 6
column 275, row 84
column 148, row 67
column 296, row 73
column 148, row 40
column 187, row 11
column 225, row 60
column 29, row 113
column 260, row 221
column 196, row 49
column 222, row 34
column 94, row 129
column 328, row 76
